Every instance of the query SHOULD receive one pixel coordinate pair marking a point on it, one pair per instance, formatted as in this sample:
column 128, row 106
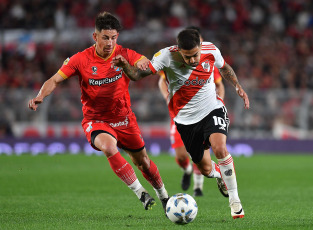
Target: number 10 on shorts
column 220, row 122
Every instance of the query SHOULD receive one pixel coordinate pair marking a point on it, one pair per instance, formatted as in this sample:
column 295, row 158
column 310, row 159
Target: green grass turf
column 81, row 192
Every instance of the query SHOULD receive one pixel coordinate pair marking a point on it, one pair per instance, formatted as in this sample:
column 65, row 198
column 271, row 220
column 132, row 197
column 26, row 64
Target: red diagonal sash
column 192, row 86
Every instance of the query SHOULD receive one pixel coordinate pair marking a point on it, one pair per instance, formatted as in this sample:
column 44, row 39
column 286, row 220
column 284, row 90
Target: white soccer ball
column 181, row 208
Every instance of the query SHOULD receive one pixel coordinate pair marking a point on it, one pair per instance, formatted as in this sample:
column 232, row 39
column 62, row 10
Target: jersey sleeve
column 70, row 66
column 219, row 60
column 133, row 57
column 160, row 60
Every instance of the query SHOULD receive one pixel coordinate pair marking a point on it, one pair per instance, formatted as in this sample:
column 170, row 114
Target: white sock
column 198, row 181
column 161, row 192
column 229, row 176
column 188, row 170
column 214, row 173
column 137, row 188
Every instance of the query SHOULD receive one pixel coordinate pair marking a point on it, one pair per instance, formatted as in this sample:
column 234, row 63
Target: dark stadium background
column 268, row 43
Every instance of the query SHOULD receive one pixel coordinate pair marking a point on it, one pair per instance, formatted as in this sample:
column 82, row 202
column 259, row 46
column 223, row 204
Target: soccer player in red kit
column 108, row 119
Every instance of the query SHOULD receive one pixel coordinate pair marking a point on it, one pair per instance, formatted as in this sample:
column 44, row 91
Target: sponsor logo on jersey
column 206, row 65
column 121, row 123
column 194, row 81
column 66, row 61
column 94, row 69
column 99, row 82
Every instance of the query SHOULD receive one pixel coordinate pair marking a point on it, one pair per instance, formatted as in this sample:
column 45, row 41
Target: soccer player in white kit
column 199, row 114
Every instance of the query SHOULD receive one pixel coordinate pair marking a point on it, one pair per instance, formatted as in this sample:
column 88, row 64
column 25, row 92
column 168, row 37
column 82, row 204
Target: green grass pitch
column 81, row 192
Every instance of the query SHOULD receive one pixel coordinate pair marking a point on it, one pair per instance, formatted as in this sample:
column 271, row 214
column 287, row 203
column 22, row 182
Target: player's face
column 105, row 41
column 191, row 57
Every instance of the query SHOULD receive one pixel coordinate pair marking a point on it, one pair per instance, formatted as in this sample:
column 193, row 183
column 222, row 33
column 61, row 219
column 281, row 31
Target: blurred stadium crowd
column 269, row 43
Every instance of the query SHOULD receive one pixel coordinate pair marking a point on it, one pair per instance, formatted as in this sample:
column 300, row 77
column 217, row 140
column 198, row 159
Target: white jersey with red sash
column 191, row 89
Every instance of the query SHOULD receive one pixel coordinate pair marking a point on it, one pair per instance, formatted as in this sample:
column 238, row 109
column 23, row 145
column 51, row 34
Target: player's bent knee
column 108, row 150
column 206, row 171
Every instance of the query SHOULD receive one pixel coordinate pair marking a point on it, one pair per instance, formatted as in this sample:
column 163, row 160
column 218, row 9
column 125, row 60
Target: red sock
column 122, row 169
column 196, row 170
column 152, row 175
column 183, row 164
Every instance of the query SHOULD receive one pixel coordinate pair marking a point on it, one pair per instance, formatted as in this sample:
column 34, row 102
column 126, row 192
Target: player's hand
column 243, row 95
column 33, row 103
column 119, row 61
column 143, row 64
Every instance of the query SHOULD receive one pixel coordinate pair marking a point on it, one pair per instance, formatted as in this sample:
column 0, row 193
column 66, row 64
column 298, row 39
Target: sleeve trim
column 152, row 68
column 62, row 74
column 218, row 80
column 139, row 60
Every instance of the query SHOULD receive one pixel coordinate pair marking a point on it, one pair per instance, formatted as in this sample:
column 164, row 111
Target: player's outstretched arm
column 228, row 73
column 45, row 90
column 143, row 64
column 132, row 72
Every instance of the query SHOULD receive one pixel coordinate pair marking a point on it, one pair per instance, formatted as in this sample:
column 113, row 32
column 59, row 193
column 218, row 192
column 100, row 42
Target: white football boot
column 236, row 209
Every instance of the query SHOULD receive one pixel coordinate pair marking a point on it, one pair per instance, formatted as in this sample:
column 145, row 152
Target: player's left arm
column 132, row 72
column 228, row 73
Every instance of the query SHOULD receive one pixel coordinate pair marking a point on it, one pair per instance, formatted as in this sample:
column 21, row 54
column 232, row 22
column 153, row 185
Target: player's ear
column 94, row 36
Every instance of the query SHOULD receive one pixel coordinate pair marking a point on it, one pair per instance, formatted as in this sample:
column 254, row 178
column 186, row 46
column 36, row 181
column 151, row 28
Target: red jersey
column 104, row 90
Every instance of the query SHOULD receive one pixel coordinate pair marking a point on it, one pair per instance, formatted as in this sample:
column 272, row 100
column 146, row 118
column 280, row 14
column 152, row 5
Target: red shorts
column 124, row 130
column 176, row 140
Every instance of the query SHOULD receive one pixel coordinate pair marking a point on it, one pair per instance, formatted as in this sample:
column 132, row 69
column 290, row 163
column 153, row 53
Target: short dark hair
column 106, row 21
column 194, row 28
column 188, row 39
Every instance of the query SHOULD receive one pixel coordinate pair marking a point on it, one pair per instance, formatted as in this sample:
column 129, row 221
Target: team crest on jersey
column 206, row 65
column 94, row 69
column 117, row 68
column 66, row 61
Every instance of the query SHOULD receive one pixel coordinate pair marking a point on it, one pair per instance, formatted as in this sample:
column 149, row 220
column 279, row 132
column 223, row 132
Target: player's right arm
column 159, row 61
column 46, row 89
column 132, row 72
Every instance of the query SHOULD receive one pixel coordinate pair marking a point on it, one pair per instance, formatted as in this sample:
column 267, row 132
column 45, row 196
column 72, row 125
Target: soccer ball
column 181, row 208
